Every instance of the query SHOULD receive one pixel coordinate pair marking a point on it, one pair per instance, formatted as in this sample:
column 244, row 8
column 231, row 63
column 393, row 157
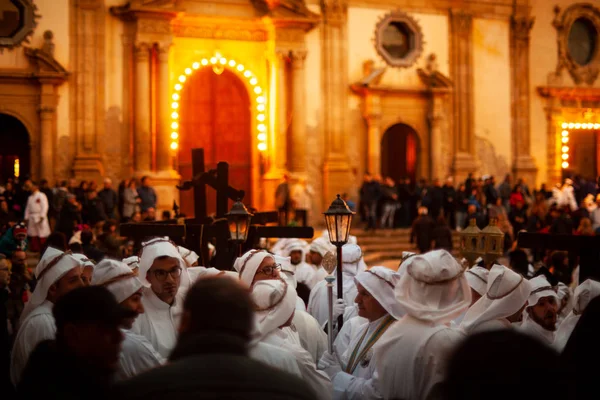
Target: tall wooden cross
column 586, row 247
column 195, row 233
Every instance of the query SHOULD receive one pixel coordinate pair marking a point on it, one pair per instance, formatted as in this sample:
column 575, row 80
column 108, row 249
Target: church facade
column 322, row 90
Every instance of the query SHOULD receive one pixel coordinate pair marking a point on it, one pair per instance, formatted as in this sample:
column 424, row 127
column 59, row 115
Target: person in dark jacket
column 370, row 193
column 70, row 216
column 109, row 199
column 436, row 194
column 89, row 248
column 93, row 210
column 442, row 235
column 82, row 360
column 518, row 217
column 422, row 231
column 211, row 359
column 147, row 195
column 473, row 213
column 449, row 202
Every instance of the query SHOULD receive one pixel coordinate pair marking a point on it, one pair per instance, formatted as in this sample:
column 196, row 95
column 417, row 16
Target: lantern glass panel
column 330, row 220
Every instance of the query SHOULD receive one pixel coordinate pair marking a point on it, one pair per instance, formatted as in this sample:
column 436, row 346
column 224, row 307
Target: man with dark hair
column 81, row 361
column 88, row 246
column 210, row 359
column 147, row 195
column 501, row 364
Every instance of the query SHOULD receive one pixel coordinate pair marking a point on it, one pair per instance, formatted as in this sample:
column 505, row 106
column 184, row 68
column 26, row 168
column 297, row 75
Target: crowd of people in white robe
column 399, row 327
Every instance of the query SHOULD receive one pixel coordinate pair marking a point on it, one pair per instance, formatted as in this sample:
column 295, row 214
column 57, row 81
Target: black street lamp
column 338, row 219
column 238, row 219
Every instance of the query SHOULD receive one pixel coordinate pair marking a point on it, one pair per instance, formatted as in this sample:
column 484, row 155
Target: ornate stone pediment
column 578, row 34
column 45, row 64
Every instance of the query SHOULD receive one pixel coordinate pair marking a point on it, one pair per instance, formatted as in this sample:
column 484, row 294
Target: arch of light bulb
column 219, row 61
column 566, row 126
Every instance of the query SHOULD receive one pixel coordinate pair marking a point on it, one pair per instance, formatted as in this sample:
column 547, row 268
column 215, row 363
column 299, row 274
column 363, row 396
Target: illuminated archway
column 218, row 63
column 567, row 126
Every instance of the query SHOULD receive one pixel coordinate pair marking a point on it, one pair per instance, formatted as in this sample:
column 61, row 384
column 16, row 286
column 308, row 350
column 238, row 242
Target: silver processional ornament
column 329, row 263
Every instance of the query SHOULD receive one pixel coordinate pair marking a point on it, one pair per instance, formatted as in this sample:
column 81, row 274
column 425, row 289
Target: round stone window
column 17, row 22
column 398, row 39
column 583, row 40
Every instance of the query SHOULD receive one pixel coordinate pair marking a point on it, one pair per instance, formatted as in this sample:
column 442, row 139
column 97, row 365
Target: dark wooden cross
column 586, row 247
column 195, row 233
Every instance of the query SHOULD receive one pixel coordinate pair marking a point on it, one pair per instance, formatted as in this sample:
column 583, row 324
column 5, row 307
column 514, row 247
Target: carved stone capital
column 163, row 52
column 521, row 27
column 334, row 11
column 461, row 22
column 142, row 51
column 154, row 26
column 297, row 57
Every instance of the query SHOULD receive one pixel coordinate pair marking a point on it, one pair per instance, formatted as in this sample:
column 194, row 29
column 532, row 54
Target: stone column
column 554, row 173
column 524, row 165
column 142, row 109
column 372, row 113
column 163, row 95
column 47, row 114
column 281, row 109
column 435, row 119
column 297, row 161
column 334, row 55
column 461, row 71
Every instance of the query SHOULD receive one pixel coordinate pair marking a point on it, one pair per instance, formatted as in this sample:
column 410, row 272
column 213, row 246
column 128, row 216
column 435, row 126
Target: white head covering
column 132, row 262
column 321, row 246
column 275, row 302
column 53, row 265
column 381, row 283
column 352, row 239
column 248, row 264
column 279, row 246
column 288, row 271
column 189, row 256
column 294, row 245
column 117, row 277
column 540, row 287
column 505, row 294
column 351, row 256
column 584, row 293
column 433, row 287
column 478, row 279
column 83, row 260
column 160, row 247
column 564, row 292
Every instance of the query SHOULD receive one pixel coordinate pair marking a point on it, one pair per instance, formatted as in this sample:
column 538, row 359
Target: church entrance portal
column 14, row 151
column 215, row 115
column 583, row 154
column 399, row 152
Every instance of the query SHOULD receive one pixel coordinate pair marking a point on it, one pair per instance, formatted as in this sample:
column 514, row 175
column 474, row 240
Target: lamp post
column 470, row 239
column 491, row 243
column 338, row 219
column 329, row 264
column 238, row 219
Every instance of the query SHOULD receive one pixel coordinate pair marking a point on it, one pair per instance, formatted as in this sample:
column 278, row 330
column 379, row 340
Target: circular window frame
column 417, row 36
column 589, row 72
column 29, row 24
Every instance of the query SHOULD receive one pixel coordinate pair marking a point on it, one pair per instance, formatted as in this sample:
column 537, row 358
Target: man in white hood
column 312, row 338
column 87, row 268
column 413, row 352
column 318, row 305
column 275, row 304
column 132, row 262
column 477, row 277
column 194, row 271
column 137, row 354
column 352, row 372
column 57, row 274
column 317, row 250
column 502, row 304
column 584, row 293
column 163, row 273
column 305, row 273
column 542, row 311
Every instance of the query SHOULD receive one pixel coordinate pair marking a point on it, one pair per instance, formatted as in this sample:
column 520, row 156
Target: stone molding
column 580, row 73
column 413, row 55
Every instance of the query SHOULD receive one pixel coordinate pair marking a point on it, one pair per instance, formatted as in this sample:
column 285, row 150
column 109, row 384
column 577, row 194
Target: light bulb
column 261, row 107
column 196, row 65
column 178, row 86
column 188, row 71
column 571, row 125
column 213, row 60
column 565, row 140
column 257, row 90
column 262, row 146
column 565, row 149
column 260, row 99
column 181, row 78
column 261, row 127
column 262, row 137
column 565, row 125
column 174, row 145
column 174, row 115
column 204, row 61
column 231, row 63
column 175, row 96
column 174, row 105
column 240, row 67
column 174, row 135
column 565, row 133
column 565, row 164
column 565, row 156
column 260, row 117
column 174, row 125
column 253, row 81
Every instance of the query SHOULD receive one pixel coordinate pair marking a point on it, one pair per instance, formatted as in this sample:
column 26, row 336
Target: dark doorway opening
column 400, row 153
column 14, row 149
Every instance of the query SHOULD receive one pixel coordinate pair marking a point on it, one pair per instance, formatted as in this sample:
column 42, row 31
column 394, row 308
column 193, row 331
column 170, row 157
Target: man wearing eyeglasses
column 161, row 271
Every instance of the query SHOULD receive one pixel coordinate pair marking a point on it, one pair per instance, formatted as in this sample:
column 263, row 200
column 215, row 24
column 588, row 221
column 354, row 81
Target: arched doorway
column 215, row 115
column 400, row 152
column 14, row 148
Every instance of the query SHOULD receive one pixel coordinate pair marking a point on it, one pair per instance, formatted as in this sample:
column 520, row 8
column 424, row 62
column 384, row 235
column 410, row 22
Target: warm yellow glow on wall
column 17, row 168
column 219, row 62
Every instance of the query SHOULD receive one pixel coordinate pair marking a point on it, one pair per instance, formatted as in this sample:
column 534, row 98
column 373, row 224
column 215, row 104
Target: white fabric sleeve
column 137, row 356
column 37, row 329
column 349, row 387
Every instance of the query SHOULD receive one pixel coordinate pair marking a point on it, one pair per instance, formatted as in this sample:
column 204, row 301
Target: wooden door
column 215, row 115
column 399, row 153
